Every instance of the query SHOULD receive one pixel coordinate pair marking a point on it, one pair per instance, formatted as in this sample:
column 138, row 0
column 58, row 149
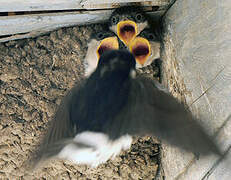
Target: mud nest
column 34, row 76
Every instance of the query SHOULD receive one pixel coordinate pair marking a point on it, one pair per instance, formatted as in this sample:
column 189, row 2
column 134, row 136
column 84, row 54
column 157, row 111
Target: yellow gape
column 106, row 44
column 140, row 48
column 127, row 31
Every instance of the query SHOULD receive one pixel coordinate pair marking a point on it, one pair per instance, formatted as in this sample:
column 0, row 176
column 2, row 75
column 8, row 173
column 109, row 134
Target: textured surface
column 197, row 52
column 34, row 75
column 43, row 5
column 40, row 23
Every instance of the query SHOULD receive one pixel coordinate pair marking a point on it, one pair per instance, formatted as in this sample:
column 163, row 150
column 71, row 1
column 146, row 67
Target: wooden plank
column 23, row 36
column 46, row 22
column 44, row 5
column 95, row 4
column 38, row 25
column 26, row 26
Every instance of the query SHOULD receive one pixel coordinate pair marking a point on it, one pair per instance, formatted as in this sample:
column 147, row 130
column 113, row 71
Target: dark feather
column 152, row 111
column 112, row 102
column 60, row 131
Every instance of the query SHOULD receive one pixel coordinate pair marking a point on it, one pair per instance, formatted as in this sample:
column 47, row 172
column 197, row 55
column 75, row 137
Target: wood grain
column 44, row 5
column 26, row 26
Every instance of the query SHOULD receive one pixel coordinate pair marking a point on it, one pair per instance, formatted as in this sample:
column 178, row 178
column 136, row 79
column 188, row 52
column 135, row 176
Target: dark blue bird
column 97, row 119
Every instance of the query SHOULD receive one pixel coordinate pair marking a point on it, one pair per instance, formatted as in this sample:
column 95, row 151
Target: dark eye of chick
column 139, row 17
column 100, row 36
column 150, row 36
column 114, row 20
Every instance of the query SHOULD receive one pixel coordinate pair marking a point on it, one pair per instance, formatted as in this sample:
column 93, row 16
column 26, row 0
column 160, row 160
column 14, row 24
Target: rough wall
column 34, row 76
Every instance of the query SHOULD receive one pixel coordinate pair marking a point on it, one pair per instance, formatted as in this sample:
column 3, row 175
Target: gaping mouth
column 107, row 44
column 127, row 31
column 140, row 48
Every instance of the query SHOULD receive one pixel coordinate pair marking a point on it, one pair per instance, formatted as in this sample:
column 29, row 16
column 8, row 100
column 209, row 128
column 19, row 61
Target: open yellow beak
column 107, row 44
column 140, row 48
column 126, row 31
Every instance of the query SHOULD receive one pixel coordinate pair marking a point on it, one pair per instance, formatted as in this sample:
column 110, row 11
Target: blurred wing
column 61, row 126
column 152, row 111
column 60, row 132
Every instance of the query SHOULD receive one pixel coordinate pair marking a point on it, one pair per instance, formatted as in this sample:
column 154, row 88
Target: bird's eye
column 151, row 36
column 114, row 20
column 100, row 36
column 139, row 17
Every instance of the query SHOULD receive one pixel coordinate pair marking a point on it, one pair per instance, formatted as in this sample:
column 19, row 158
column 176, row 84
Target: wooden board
column 25, row 26
column 44, row 5
column 28, row 23
column 32, row 25
column 42, row 16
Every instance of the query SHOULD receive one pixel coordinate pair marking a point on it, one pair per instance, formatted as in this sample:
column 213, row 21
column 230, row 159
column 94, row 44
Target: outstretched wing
column 60, row 132
column 152, row 111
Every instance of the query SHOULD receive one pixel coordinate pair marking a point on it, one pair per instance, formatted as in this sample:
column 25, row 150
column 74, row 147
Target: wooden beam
column 46, row 5
column 39, row 22
column 25, row 26
column 46, row 22
column 97, row 4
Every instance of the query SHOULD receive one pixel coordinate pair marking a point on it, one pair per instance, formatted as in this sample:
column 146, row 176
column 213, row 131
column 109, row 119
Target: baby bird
column 145, row 47
column 99, row 43
column 127, row 22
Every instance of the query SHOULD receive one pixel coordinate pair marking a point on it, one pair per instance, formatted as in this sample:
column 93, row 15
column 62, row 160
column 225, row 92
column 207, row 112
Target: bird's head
column 141, row 49
column 127, row 23
column 116, row 64
column 145, row 47
column 102, row 41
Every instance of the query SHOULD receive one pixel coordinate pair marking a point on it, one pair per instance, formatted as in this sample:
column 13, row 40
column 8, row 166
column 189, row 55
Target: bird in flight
column 98, row 118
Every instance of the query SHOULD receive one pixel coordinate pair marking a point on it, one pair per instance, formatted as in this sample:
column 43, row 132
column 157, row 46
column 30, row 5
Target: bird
column 136, row 30
column 145, row 47
column 99, row 42
column 99, row 117
column 127, row 22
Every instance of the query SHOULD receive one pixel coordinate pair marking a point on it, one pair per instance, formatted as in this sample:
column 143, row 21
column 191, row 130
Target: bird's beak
column 140, row 48
column 127, row 31
column 107, row 44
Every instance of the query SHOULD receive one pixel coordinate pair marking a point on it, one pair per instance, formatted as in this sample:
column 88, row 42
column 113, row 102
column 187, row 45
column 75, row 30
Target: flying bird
column 97, row 119
column 127, row 23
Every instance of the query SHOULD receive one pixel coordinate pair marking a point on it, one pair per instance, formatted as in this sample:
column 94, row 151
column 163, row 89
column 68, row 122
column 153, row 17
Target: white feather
column 91, row 59
column 100, row 148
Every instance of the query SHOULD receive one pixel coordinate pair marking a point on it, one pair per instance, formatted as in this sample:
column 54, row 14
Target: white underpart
column 155, row 54
column 133, row 74
column 141, row 26
column 91, row 59
column 100, row 149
